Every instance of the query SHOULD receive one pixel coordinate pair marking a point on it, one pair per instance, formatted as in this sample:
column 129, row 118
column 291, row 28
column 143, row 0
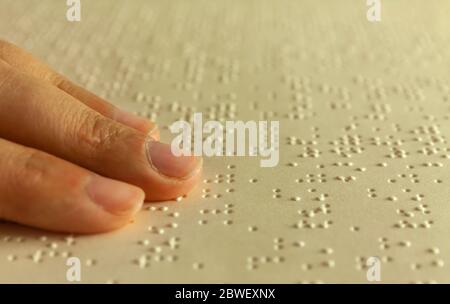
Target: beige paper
column 364, row 123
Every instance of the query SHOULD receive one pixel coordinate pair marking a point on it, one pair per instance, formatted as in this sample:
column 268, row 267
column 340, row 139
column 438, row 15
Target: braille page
column 363, row 109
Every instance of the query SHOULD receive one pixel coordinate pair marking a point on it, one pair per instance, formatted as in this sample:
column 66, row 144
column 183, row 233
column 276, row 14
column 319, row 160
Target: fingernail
column 137, row 122
column 154, row 133
column 115, row 197
column 166, row 163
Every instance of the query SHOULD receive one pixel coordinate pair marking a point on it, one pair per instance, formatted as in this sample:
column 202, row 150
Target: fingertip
column 115, row 197
column 165, row 163
column 168, row 189
column 171, row 176
column 139, row 123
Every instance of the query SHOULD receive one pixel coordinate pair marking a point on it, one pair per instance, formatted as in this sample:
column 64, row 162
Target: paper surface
column 364, row 123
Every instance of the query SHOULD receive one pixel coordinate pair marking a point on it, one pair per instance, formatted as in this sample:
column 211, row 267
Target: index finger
column 28, row 64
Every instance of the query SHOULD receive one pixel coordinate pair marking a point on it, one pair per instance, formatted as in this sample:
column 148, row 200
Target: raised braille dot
column 299, row 244
column 434, row 250
column 438, row 263
column 252, row 228
column 327, row 251
column 90, row 262
column 11, row 258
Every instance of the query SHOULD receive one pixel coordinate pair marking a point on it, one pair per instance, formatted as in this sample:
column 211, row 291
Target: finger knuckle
column 57, row 80
column 32, row 169
column 97, row 135
column 7, row 74
column 3, row 46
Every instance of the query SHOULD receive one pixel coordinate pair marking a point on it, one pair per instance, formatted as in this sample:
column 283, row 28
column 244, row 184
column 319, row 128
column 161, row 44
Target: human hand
column 72, row 162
